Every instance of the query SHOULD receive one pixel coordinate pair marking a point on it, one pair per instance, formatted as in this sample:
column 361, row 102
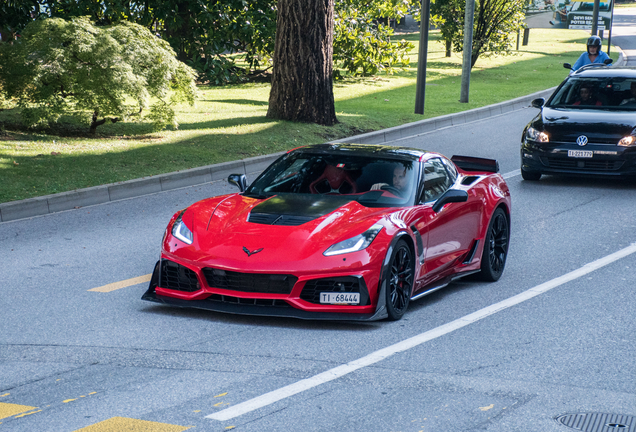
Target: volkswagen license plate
column 580, row 153
column 339, row 298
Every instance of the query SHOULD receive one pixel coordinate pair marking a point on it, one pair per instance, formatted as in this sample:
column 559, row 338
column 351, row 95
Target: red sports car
column 337, row 231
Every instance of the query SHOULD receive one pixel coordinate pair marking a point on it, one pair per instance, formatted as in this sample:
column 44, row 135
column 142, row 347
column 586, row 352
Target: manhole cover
column 599, row 422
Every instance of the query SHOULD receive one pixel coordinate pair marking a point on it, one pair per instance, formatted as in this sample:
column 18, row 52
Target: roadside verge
column 78, row 198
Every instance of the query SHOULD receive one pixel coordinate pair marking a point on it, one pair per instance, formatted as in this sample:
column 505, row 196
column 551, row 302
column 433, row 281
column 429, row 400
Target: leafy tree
column 209, row 34
column 14, row 15
column 495, row 26
column 206, row 34
column 99, row 73
column 387, row 9
column 448, row 16
column 362, row 45
column 302, row 86
column 103, row 12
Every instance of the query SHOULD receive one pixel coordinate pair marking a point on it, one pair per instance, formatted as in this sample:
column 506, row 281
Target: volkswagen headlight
column 627, row 141
column 535, row 135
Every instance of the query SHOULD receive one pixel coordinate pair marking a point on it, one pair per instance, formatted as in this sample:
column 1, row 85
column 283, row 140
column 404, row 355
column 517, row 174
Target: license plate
column 339, row 298
column 580, row 153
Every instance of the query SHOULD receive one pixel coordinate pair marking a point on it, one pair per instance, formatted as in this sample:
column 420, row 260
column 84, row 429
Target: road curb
column 424, row 126
column 39, row 206
column 43, row 205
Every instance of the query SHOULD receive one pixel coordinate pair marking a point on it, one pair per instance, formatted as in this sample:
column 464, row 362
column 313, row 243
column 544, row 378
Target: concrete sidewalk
column 15, row 210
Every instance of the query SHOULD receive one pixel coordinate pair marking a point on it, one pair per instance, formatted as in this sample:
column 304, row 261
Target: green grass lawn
column 228, row 123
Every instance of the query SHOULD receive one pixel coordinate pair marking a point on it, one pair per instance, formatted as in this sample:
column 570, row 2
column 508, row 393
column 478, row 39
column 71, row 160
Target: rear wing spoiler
column 469, row 163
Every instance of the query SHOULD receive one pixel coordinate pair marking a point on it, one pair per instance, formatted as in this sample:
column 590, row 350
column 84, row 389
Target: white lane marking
column 514, row 173
column 339, row 371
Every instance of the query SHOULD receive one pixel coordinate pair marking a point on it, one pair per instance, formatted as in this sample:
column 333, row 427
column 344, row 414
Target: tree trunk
column 473, row 59
column 6, row 35
column 449, row 45
column 302, row 82
column 94, row 123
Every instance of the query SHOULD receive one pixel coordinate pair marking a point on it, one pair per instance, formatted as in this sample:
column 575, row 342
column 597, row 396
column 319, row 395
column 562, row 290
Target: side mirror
column 238, row 180
column 450, row 196
column 608, row 61
column 567, row 66
column 538, row 103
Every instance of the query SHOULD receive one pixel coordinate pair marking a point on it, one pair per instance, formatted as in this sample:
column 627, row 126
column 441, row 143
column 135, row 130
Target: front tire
column 399, row 280
column 493, row 259
column 530, row 175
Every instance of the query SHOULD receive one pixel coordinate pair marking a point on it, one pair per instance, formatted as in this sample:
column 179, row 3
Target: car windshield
column 371, row 181
column 615, row 93
column 589, row 7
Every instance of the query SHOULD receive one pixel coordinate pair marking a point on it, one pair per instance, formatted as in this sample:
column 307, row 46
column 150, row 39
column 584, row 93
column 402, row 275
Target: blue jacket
column 585, row 59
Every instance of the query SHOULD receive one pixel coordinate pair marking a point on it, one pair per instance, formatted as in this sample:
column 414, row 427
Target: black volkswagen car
column 587, row 126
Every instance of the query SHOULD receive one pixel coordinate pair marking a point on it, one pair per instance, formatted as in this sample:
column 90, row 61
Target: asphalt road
column 75, row 359
column 623, row 32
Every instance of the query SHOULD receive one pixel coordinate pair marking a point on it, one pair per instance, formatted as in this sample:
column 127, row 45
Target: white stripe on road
column 514, row 173
column 340, row 371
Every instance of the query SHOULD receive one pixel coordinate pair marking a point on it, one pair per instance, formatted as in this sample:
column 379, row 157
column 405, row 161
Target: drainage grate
column 599, row 422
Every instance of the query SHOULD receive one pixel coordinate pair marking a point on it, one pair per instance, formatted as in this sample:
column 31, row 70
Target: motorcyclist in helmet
column 593, row 54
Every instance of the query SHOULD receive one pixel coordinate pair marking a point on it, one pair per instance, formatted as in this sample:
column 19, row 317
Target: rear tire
column 399, row 280
column 493, row 259
column 530, row 175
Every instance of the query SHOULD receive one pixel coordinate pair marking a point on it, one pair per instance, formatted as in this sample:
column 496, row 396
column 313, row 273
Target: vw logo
column 582, row 140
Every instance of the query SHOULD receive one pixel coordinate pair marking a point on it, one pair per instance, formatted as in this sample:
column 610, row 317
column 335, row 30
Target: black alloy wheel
column 399, row 280
column 493, row 259
column 530, row 175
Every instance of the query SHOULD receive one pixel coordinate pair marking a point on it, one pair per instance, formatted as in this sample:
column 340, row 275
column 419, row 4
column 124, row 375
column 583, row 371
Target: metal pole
column 468, row 49
column 595, row 17
column 609, row 36
column 420, row 88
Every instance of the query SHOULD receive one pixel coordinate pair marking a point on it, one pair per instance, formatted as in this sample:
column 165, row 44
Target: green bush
column 97, row 74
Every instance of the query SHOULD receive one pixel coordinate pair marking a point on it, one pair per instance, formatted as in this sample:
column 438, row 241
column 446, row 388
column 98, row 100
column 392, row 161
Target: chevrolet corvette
column 339, row 232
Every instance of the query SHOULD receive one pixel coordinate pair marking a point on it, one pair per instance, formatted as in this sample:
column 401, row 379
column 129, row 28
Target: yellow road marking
column 123, row 284
column 27, row 413
column 74, row 399
column 222, row 394
column 118, row 424
column 8, row 409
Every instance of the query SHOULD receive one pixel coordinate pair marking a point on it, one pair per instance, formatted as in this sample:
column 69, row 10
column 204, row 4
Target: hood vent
column 278, row 219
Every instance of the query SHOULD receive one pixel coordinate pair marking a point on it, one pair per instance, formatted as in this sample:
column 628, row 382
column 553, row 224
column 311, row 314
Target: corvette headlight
column 627, row 141
column 181, row 231
column 356, row 243
column 536, row 135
